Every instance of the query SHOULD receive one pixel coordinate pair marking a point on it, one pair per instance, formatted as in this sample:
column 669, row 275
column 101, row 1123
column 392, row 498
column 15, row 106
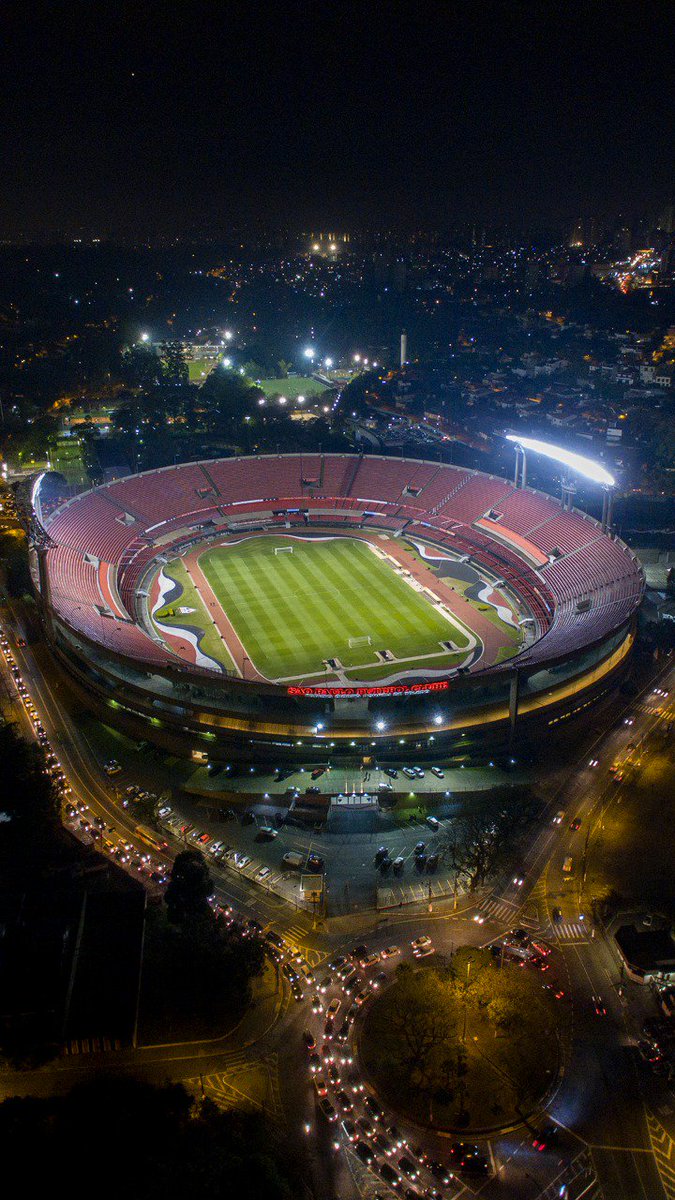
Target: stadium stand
column 124, row 527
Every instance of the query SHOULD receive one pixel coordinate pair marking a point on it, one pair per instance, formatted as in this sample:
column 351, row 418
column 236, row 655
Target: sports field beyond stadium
column 331, row 598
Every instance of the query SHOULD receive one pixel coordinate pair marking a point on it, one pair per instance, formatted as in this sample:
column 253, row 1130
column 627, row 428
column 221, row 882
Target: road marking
column 663, row 1149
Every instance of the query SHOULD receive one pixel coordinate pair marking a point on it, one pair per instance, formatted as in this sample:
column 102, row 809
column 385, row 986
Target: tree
column 187, row 893
column 174, row 364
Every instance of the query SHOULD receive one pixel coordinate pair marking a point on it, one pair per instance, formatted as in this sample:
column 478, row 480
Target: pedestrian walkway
column 577, row 1181
column 249, row 1083
column 663, row 1149
column 396, row 895
column 498, row 909
column 570, row 931
column 93, row 1045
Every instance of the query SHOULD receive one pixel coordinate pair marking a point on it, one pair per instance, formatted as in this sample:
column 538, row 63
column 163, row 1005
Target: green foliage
column 188, row 890
column 30, row 834
column 172, row 1148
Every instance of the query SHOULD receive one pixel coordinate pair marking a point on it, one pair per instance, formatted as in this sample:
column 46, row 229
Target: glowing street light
column 309, row 352
column 328, row 362
column 227, row 362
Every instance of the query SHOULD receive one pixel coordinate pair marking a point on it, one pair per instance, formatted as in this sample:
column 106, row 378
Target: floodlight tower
column 404, row 348
column 576, row 464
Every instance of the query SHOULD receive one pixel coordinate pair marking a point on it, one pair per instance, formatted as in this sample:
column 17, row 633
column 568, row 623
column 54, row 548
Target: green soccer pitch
column 292, row 611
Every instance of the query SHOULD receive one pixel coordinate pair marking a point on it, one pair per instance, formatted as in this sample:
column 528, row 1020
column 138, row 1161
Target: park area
column 469, row 1045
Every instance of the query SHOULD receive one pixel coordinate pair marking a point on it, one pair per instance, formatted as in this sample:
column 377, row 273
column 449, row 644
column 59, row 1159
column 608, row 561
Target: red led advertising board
column 394, row 689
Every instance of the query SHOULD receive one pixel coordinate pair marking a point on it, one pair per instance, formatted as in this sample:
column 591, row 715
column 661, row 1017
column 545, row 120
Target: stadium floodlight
column 380, row 726
column 228, row 335
column 328, row 362
column 568, row 458
column 357, row 358
column 309, row 352
column 301, row 399
column 227, row 362
column 145, row 337
column 438, row 720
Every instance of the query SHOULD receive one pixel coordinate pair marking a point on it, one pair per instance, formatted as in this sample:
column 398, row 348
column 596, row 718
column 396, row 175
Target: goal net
column 283, row 549
column 354, row 642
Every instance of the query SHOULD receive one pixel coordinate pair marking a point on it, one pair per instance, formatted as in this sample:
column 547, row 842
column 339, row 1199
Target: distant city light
column 577, row 462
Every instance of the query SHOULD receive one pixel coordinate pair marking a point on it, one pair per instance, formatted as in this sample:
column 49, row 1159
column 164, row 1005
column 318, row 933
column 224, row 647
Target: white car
column 263, row 873
column 242, row 861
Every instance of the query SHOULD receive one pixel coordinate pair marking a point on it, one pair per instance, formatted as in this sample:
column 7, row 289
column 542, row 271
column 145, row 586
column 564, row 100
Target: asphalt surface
column 616, row 1119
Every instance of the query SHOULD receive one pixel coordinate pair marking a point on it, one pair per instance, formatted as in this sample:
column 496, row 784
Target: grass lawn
column 291, row 387
column 200, row 368
column 291, row 611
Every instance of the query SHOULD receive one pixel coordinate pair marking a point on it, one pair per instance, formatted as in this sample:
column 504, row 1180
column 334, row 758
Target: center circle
column 466, row 1045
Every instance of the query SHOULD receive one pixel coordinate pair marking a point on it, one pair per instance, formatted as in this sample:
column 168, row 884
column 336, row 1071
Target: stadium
column 316, row 607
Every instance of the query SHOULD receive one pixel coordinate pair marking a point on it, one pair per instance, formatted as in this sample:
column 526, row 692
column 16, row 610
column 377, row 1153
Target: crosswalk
column 570, row 931
column 396, row 895
column 92, row 1045
column 663, row 1149
column 497, row 909
column 577, row 1181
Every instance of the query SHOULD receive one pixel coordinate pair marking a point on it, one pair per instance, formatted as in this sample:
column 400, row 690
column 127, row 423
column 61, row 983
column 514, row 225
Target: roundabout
column 463, row 1046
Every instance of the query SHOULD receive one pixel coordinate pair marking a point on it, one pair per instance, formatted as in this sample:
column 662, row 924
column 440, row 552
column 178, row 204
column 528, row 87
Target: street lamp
column 328, row 362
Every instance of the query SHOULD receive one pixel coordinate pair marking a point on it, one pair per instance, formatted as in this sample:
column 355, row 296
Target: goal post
column 283, row 549
column 355, row 642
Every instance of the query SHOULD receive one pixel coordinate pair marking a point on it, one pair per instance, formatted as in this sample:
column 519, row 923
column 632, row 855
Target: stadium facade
column 577, row 587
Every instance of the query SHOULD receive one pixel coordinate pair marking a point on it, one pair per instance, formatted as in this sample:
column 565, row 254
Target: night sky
column 146, row 118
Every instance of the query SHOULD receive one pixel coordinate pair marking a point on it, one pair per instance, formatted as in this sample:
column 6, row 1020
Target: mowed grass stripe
column 293, row 610
column 264, row 591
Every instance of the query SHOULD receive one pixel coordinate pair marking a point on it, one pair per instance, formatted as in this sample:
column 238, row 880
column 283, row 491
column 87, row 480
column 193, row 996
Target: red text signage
column 393, row 689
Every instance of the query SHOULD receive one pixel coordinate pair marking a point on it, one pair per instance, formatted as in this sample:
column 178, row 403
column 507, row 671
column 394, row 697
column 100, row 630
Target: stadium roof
column 577, row 462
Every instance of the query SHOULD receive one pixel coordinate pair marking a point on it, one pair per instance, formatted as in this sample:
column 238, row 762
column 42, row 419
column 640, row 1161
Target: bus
column 152, row 838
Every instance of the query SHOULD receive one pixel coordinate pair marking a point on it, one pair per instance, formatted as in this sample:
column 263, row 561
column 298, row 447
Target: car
column 432, row 863
column 379, row 979
column 541, row 948
column 328, row 1026
column 348, row 977
column 374, row 1108
column 438, row 773
column 314, row 862
column 362, row 996
column 298, row 993
column 314, row 1064
column 593, row 762
column 383, row 1145
column 336, row 964
column 318, row 772
column 355, row 1082
column 396, row 1136
column 407, row 1167
column 559, row 818
column 344, row 1100
column 420, row 848
column 649, row 1052
column 275, row 939
column 391, row 772
column 575, row 825
column 242, row 861
column 327, row 1053
column 421, row 941
column 440, row 1172
column 317, row 1006
column 389, row 952
column 424, row 952
column 327, row 1109
column 433, row 823
column 554, row 990
column 334, row 1007
column 518, row 881
column 538, row 962
column 389, row 1175
column 343, row 1031
column 353, row 985
column 556, row 913
column 369, row 961
column 320, row 1085
column 325, row 983
column 333, row 1074
column 398, row 865
column 358, row 952
column 380, row 854
column 364, row 1152
column 598, row 1006
column 263, row 872
column 410, row 772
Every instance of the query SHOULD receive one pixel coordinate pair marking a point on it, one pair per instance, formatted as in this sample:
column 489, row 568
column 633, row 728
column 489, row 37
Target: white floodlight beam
column 568, row 458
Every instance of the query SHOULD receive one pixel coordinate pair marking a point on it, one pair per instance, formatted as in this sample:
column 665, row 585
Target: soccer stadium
column 319, row 606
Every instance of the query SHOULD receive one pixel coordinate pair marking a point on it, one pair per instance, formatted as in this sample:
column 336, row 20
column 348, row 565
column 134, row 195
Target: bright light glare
column 308, row 352
column 380, row 726
column 438, row 720
column 228, row 335
column 578, row 462
column 227, row 362
column 328, row 362
column 145, row 337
